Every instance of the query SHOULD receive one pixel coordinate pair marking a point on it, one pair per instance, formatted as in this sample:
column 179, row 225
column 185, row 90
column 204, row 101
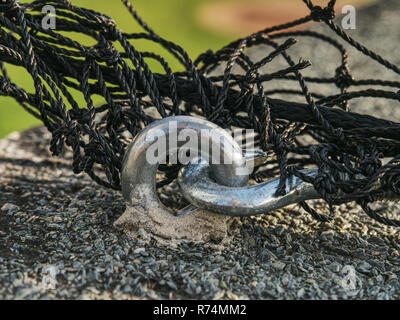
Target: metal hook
column 198, row 187
column 138, row 176
column 253, row 158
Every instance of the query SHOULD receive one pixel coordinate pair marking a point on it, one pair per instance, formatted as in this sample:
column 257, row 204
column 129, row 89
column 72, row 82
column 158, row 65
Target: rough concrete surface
column 57, row 239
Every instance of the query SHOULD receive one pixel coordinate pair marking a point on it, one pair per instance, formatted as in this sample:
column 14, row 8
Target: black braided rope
column 345, row 145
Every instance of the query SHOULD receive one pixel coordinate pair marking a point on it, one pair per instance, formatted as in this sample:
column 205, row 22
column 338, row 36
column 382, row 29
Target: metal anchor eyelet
column 138, row 176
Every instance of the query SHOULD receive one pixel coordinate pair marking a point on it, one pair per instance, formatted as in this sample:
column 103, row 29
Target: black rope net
column 343, row 144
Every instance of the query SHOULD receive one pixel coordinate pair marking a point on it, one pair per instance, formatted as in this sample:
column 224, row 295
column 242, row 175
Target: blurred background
column 196, row 25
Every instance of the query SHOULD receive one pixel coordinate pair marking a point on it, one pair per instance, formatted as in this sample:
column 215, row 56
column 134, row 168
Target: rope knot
column 319, row 14
column 103, row 53
column 370, row 165
column 343, row 79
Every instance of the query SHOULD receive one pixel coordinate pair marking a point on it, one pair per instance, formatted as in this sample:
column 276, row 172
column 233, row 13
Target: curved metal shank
column 203, row 192
column 138, row 173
